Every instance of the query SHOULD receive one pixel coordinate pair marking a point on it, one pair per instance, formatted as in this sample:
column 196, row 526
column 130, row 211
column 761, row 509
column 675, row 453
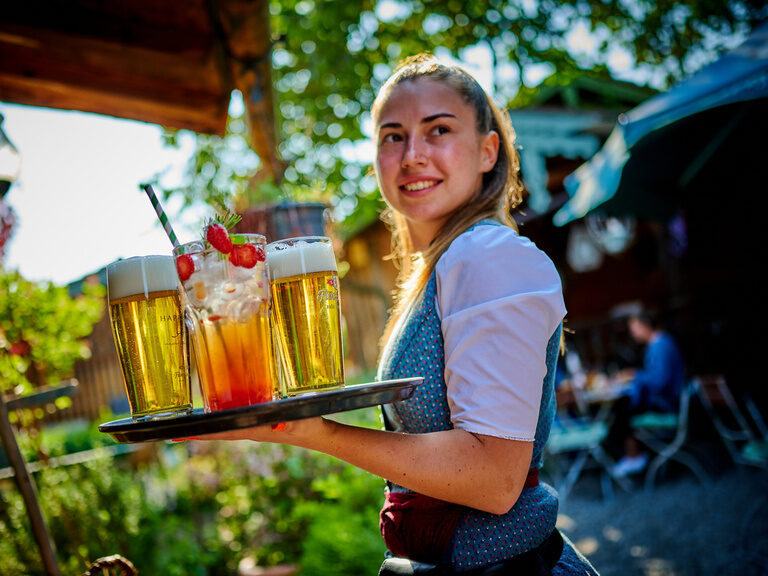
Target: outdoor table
column 592, row 393
column 580, row 436
column 602, row 398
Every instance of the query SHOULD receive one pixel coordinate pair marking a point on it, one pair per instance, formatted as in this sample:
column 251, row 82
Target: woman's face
column 430, row 158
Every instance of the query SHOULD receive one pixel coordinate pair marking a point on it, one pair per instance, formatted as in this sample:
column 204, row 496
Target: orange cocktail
column 227, row 300
column 234, row 361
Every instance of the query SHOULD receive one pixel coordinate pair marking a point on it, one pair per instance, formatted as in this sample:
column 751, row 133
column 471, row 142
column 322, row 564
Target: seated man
column 654, row 388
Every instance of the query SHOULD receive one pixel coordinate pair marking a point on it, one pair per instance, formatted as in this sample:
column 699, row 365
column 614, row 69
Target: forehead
column 415, row 100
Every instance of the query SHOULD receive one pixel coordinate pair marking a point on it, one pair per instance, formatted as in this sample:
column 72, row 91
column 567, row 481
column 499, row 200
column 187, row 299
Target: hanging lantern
column 10, row 165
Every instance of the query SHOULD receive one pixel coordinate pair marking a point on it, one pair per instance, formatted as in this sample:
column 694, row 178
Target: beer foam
column 141, row 275
column 299, row 258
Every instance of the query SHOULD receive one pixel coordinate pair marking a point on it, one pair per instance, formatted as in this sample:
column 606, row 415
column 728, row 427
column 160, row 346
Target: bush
column 343, row 536
column 199, row 509
column 43, row 331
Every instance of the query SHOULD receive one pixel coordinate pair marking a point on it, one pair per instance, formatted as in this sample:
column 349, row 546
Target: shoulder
column 666, row 341
column 489, row 251
column 490, row 263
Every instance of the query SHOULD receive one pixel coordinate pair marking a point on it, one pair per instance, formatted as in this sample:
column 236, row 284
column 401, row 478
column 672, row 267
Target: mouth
column 419, row 186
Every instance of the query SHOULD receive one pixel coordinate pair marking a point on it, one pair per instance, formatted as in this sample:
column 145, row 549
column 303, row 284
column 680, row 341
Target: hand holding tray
column 199, row 422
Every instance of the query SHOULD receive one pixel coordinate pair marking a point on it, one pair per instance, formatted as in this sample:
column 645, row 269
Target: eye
column 439, row 130
column 390, row 137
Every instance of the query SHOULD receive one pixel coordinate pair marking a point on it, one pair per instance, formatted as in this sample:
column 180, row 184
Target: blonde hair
column 500, row 193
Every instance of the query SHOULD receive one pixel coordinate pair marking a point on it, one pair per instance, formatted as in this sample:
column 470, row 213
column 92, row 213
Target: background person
column 654, row 388
column 478, row 314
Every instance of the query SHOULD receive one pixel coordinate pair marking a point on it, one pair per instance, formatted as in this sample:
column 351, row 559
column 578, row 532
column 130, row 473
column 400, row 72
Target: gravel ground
column 681, row 528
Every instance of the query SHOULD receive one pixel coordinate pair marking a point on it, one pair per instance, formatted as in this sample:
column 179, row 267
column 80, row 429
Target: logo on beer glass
column 329, row 294
column 306, row 314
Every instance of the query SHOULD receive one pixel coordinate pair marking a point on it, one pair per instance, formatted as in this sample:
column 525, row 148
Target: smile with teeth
column 420, row 185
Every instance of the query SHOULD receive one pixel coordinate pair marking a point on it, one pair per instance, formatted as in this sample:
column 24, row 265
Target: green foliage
column 196, row 508
column 340, row 538
column 43, row 331
column 92, row 510
column 60, row 439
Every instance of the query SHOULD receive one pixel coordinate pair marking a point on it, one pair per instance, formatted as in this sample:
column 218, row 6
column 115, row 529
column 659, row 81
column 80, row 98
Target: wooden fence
column 366, row 296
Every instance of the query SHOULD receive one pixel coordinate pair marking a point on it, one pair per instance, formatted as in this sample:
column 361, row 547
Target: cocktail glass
column 227, row 303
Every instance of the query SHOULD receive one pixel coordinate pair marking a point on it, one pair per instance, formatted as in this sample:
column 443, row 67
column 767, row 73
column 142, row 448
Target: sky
column 77, row 199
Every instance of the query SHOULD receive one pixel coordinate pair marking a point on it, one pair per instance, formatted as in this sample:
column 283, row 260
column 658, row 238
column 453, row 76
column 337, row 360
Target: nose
column 414, row 153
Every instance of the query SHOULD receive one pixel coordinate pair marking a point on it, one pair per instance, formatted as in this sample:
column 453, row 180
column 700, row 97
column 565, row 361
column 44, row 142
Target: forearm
column 482, row 472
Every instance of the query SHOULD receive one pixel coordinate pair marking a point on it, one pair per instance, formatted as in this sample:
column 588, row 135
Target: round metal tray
column 198, row 422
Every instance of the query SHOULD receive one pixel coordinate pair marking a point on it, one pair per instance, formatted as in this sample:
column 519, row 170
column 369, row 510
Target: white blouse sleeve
column 500, row 300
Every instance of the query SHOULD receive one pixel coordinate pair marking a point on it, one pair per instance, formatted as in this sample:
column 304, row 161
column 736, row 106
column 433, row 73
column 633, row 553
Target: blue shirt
column 657, row 386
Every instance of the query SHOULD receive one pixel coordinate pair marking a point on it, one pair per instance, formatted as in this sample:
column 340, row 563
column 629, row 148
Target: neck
column 421, row 235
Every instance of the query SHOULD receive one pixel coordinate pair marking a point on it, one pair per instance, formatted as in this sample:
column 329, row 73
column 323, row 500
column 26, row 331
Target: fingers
column 257, row 433
column 292, row 432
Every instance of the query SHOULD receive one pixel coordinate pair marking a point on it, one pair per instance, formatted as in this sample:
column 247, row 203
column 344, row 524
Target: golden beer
column 148, row 327
column 306, row 315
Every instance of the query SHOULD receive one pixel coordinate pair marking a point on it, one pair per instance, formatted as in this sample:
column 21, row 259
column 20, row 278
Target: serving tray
column 198, row 422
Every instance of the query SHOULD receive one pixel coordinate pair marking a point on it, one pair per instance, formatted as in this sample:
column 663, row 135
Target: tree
column 330, row 58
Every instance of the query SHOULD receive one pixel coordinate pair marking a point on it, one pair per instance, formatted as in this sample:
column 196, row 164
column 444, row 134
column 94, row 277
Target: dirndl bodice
column 416, row 349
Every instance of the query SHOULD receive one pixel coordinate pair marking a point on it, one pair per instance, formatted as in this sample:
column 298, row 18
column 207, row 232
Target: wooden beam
column 176, row 28
column 245, row 25
column 162, row 61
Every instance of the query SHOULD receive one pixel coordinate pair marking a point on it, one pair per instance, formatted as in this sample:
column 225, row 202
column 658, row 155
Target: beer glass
column 227, row 308
column 151, row 339
column 306, row 314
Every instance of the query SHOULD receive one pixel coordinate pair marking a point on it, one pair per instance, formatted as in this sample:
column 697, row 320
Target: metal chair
column 666, row 435
column 746, row 444
column 573, row 442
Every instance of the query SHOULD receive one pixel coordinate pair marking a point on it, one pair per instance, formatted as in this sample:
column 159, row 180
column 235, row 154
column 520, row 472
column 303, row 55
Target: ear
column 489, row 149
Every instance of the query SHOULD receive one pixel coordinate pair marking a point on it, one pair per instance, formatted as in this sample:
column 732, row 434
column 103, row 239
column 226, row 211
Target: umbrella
column 703, row 140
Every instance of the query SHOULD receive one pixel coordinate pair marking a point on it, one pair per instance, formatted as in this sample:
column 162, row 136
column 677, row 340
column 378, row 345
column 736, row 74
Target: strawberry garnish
column 185, row 267
column 218, row 237
column 246, row 255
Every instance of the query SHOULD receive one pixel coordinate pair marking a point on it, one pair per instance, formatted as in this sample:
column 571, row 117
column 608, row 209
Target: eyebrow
column 425, row 120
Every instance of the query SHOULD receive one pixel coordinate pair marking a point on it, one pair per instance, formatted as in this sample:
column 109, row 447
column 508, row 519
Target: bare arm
column 483, row 472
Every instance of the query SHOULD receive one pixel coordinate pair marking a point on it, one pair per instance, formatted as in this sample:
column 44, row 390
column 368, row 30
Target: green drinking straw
column 161, row 214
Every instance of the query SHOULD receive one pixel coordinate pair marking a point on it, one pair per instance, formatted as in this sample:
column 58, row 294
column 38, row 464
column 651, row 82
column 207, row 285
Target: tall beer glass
column 228, row 312
column 151, row 339
column 306, row 314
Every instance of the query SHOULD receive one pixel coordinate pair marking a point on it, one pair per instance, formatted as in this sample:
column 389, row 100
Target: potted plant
column 276, row 211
